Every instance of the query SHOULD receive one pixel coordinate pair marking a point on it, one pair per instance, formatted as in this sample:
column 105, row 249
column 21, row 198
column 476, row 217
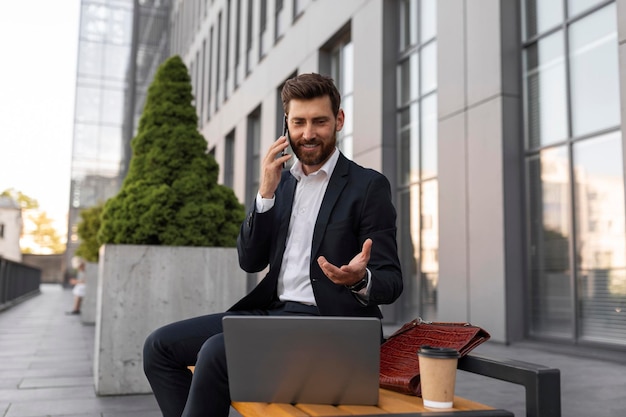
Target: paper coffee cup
column 437, row 375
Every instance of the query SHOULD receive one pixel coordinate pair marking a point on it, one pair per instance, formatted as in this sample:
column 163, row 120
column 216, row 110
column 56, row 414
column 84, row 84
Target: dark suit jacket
column 357, row 205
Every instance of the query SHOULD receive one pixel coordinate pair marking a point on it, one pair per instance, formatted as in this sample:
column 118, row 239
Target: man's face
column 313, row 131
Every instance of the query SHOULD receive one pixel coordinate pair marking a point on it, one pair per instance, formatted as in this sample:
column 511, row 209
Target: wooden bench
column 542, row 384
column 389, row 404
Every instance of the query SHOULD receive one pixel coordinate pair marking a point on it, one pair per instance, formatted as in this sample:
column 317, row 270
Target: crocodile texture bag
column 399, row 366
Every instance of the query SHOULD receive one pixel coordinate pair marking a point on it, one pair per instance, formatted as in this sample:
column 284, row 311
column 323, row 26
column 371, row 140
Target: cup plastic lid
column 437, row 352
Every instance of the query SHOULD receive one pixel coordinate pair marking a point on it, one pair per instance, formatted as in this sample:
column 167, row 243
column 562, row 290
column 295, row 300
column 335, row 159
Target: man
column 326, row 228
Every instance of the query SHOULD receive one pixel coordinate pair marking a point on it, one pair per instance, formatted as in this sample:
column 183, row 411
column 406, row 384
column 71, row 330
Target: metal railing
column 17, row 281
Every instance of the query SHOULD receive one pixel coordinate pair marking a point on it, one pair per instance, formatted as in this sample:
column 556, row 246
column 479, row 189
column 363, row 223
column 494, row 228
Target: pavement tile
column 56, row 382
column 44, row 372
column 83, row 406
column 37, row 394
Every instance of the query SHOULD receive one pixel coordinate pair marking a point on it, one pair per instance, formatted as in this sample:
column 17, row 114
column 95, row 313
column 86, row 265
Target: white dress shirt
column 293, row 279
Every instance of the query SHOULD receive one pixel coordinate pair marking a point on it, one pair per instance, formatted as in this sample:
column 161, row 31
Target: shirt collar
column 328, row 167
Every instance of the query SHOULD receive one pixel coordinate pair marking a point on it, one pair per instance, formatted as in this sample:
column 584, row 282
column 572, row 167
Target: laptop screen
column 303, row 359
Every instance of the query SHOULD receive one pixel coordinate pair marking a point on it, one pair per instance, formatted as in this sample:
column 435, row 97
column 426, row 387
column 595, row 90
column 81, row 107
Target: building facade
column 121, row 42
column 497, row 122
column 10, row 229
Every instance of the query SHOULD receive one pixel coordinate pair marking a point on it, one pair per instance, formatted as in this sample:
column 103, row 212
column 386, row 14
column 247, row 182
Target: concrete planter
column 88, row 307
column 141, row 288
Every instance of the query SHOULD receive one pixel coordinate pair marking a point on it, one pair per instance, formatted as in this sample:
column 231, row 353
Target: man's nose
column 309, row 132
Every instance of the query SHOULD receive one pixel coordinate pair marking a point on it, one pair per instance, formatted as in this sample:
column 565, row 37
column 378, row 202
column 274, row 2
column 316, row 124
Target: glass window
column 254, row 156
column 550, row 278
column 408, row 23
column 542, row 15
column 342, row 71
column 545, row 85
column 428, row 20
column 227, row 50
column 600, row 239
column 407, row 80
column 280, row 20
column 249, row 36
column 237, row 42
column 87, row 103
column 264, row 35
column 116, row 61
column 417, row 154
column 409, row 251
column 299, row 6
column 112, row 107
column 229, row 159
column 218, row 62
column 408, row 146
column 90, row 62
column 86, row 137
column 429, row 68
column 429, row 137
column 594, row 72
column 577, row 6
column 429, row 243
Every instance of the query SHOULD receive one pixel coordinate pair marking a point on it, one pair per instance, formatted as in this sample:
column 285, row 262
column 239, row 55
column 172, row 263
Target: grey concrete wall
column 141, row 288
column 479, row 179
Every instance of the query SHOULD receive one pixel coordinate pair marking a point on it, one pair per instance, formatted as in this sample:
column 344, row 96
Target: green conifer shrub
column 171, row 195
column 88, row 227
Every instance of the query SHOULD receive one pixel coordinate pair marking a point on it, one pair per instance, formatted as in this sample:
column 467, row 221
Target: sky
column 38, row 47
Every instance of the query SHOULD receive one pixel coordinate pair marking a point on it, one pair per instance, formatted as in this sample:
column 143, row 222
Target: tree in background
column 171, row 195
column 88, row 227
column 39, row 236
column 25, row 202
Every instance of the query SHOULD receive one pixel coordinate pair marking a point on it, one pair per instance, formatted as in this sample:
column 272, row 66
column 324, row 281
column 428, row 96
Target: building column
column 621, row 40
column 481, row 243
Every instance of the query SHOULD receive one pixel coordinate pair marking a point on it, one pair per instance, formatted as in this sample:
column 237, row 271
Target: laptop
column 303, row 359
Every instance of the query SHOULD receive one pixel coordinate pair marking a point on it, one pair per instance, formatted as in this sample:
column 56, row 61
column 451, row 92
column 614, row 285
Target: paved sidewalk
column 46, row 370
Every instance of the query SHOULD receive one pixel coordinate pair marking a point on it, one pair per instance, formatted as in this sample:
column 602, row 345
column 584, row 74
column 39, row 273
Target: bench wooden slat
column 320, row 410
column 250, row 409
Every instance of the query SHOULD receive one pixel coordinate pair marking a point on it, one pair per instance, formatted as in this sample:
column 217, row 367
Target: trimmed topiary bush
column 88, row 233
column 171, row 195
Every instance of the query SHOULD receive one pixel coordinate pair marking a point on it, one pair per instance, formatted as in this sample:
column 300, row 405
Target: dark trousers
column 198, row 341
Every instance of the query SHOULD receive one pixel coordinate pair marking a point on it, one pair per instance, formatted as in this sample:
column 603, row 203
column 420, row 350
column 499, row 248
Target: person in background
column 327, row 230
column 79, row 285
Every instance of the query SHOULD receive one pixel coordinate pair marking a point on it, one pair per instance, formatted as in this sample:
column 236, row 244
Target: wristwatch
column 359, row 285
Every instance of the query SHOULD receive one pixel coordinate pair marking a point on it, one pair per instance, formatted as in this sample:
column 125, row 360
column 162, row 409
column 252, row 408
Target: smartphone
column 286, row 134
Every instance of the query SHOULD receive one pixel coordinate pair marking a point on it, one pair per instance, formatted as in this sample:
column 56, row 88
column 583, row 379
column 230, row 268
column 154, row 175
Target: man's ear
column 340, row 120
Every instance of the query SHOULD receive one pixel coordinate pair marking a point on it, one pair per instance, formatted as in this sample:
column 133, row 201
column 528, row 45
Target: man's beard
column 320, row 156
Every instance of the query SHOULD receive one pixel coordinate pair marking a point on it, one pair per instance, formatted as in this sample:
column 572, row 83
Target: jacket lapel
column 287, row 203
column 338, row 181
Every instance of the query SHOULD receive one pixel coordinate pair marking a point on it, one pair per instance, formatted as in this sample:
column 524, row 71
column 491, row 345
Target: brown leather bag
column 399, row 366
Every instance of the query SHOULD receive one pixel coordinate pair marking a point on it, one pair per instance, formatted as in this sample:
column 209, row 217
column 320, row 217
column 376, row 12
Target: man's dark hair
column 309, row 86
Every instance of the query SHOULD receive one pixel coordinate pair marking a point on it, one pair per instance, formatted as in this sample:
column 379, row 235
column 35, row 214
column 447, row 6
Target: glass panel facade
column 542, row 15
column 416, row 116
column 110, row 96
column 545, row 91
column 575, row 178
column 594, row 72
column 600, row 239
column 550, row 233
column 342, row 71
column 574, row 7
